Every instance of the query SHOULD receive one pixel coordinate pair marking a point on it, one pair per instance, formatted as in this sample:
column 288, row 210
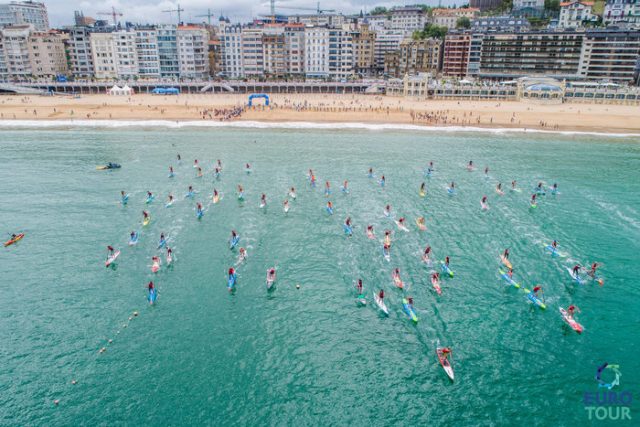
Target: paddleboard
column 112, row 258
column 380, row 303
column 571, row 322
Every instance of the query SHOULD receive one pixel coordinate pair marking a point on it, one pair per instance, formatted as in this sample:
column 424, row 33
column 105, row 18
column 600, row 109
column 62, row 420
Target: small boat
column 13, row 240
column 444, row 362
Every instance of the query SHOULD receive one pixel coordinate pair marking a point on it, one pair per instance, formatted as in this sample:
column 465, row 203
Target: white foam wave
column 110, row 124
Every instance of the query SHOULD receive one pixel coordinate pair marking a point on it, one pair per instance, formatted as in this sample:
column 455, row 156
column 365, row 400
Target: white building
column 376, row 22
column 168, row 51
column 79, row 48
column 47, row 53
column 294, row 43
column 316, row 52
column 318, row 19
column 407, row 18
column 252, row 52
column 24, row 12
column 15, row 44
column 573, row 13
column 231, row 41
column 114, row 54
column 341, row 65
column 193, row 51
column 387, row 40
column 621, row 11
column 147, row 51
column 528, row 4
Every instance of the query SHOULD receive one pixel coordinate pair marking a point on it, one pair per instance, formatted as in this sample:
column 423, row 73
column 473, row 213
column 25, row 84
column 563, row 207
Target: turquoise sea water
column 311, row 356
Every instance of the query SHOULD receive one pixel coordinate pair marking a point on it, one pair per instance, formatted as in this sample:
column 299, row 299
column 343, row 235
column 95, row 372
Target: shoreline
column 291, row 125
column 332, row 111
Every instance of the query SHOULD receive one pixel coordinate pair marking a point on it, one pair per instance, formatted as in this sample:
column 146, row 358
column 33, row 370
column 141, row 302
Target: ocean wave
column 110, row 124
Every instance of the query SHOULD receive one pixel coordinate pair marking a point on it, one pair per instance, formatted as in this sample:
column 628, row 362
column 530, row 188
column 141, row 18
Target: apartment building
column 455, row 58
column 274, row 52
column 252, row 52
column 193, row 51
column 610, row 55
column 484, row 24
column 387, row 41
column 414, row 57
column 167, row 36
column 79, row 51
column 294, row 44
column 509, row 55
column 231, row 40
column 573, row 14
column 114, row 54
column 485, row 5
column 364, row 41
column 47, row 53
column 147, row 50
column 407, row 18
column 15, row 50
column 24, row 13
column 316, row 52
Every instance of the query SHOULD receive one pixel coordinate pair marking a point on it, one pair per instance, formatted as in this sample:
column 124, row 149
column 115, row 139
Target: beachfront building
column 387, row 41
column 114, row 54
column 414, row 57
column 231, row 38
column 485, row 5
column 168, row 51
column 47, row 53
column 24, row 13
column 294, row 45
column 455, row 57
column 340, row 54
column 512, row 55
column 274, row 52
column 318, row 19
column 316, row 52
column 610, row 55
column 364, row 41
column 509, row 24
column 252, row 52
column 573, row 14
column 15, row 50
column 328, row 53
column 621, row 12
column 79, row 51
column 147, row 51
column 193, row 51
column 449, row 17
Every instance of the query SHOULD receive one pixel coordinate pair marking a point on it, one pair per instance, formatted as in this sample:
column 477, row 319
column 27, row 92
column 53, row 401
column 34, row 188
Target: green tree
column 378, row 10
column 430, row 31
column 463, row 22
column 553, row 5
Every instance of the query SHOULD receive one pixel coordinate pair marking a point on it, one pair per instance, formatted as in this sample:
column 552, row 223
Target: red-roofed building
column 573, row 14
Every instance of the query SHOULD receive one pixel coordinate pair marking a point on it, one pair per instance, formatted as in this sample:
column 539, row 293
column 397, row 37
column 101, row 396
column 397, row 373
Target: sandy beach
column 327, row 108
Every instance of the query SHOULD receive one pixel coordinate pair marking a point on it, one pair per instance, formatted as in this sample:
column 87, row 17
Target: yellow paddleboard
column 146, row 221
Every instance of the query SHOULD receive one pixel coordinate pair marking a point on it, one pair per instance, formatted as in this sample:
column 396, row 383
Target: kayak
column 112, row 259
column 577, row 278
column 508, row 279
column 155, row 267
column 570, row 321
column 380, row 303
column 436, row 285
column 506, row 261
column 146, row 221
column 408, row 309
column 231, row 282
column 534, row 299
column 401, row 227
column 348, row 230
column 445, row 269
column 421, row 225
column 271, row 279
column 444, row 362
column 133, row 240
column 233, row 242
column 153, row 295
column 14, row 240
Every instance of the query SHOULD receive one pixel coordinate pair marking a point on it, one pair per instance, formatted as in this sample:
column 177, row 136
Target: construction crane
column 208, row 15
column 179, row 10
column 317, row 9
column 114, row 14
